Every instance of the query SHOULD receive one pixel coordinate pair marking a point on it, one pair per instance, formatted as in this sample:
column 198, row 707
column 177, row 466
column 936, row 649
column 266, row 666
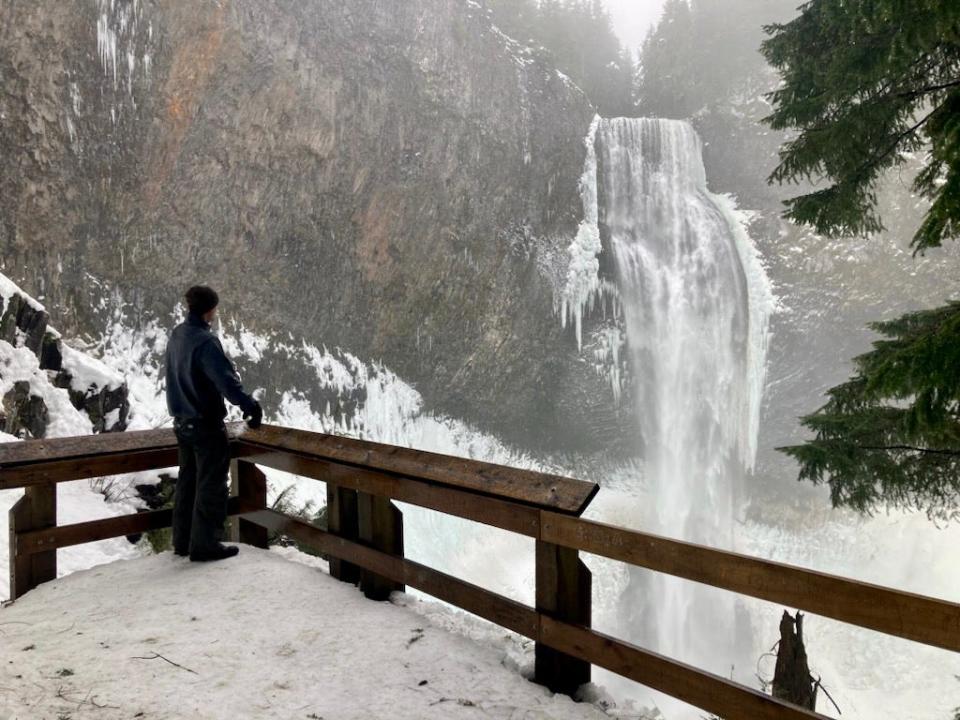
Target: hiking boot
column 217, row 552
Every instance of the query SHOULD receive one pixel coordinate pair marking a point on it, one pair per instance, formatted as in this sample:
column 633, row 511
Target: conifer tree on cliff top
column 866, row 81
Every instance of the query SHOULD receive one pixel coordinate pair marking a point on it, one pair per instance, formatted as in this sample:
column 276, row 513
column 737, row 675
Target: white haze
column 632, row 19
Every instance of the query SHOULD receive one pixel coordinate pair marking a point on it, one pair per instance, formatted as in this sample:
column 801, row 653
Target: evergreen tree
column 891, row 435
column 702, row 52
column 579, row 37
column 865, row 82
column 668, row 76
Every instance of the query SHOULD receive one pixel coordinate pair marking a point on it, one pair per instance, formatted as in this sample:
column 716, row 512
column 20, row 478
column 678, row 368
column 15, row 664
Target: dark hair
column 201, row 299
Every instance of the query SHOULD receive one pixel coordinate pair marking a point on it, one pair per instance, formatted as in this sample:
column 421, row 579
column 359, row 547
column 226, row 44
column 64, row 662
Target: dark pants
column 200, row 499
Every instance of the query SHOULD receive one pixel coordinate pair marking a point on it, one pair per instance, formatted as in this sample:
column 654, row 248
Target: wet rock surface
column 397, row 179
column 24, row 414
column 23, row 324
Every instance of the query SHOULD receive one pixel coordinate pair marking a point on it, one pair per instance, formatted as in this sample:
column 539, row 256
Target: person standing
column 199, row 377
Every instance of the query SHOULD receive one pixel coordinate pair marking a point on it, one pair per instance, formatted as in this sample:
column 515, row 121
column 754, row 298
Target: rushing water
column 695, row 305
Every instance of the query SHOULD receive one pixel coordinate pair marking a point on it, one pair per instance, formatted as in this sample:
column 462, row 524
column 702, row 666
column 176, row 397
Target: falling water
column 695, row 305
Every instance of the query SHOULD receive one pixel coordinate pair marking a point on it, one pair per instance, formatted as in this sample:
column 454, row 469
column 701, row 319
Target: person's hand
column 254, row 416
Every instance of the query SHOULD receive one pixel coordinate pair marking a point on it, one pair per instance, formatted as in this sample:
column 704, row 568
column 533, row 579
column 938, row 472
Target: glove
column 254, row 416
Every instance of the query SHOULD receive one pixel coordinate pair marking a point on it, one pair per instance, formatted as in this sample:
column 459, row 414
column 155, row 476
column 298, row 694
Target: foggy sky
column 632, row 19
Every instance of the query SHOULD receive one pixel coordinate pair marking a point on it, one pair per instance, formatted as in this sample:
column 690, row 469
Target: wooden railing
column 364, row 541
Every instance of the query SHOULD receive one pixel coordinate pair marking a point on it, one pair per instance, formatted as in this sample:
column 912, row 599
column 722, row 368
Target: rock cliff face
column 394, row 177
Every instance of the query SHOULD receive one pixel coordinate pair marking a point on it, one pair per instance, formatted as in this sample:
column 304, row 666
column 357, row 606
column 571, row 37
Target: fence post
column 342, row 522
column 250, row 485
column 380, row 527
column 564, row 586
column 37, row 509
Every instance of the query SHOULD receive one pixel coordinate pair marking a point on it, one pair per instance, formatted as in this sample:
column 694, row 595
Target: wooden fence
column 365, row 543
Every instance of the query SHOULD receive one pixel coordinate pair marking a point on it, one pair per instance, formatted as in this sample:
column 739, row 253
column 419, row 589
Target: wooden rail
column 364, row 542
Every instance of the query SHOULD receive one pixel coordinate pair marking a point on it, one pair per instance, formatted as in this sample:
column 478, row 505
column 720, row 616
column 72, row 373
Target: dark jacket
column 199, row 374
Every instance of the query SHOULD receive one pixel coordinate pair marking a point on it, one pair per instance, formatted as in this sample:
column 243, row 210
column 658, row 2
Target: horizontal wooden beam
column 57, row 460
column 725, row 698
column 479, row 601
column 72, row 458
column 541, row 490
column 914, row 617
column 83, row 446
column 79, row 468
column 35, row 541
column 517, row 518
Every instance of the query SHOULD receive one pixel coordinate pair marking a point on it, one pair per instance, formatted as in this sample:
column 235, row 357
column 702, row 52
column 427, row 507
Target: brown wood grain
column 63, row 448
column 380, row 526
column 914, row 617
column 43, row 516
column 343, row 521
column 38, row 541
column 563, row 591
column 561, row 494
column 21, row 567
column 61, row 459
column 79, row 468
column 250, row 485
column 520, row 519
column 709, row 692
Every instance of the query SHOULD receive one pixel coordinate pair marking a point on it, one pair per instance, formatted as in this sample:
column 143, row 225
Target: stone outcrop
column 398, row 179
column 106, row 407
column 24, row 412
column 24, row 323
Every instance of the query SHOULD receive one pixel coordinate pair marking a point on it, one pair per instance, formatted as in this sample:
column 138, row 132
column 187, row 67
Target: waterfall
column 695, row 303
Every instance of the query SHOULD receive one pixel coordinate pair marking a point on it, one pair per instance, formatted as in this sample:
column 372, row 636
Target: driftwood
column 792, row 680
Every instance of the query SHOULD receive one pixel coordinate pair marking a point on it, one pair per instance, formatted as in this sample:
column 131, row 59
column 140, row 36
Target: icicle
column 583, row 280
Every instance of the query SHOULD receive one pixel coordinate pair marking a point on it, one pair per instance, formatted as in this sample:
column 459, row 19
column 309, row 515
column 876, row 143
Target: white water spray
column 695, row 304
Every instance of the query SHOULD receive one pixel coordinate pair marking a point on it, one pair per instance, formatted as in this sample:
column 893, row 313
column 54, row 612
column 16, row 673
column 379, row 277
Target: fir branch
column 908, row 448
column 930, row 89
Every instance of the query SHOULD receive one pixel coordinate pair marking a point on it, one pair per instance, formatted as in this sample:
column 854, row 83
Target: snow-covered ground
column 259, row 636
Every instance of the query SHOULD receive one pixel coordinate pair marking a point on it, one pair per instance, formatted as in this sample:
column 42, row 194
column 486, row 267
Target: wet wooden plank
column 343, row 521
column 563, row 495
column 563, row 591
column 43, row 516
column 64, row 448
column 79, row 468
column 479, row 601
column 35, row 462
column 250, row 486
column 914, row 617
column 380, row 526
column 709, row 692
column 37, row 541
column 518, row 518
column 21, row 568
